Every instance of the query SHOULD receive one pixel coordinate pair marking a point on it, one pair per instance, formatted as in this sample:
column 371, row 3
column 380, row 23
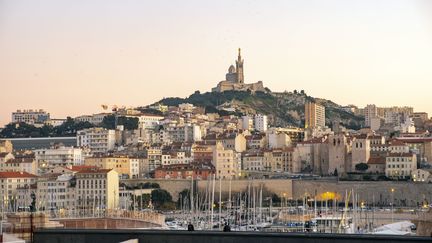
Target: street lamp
column 392, row 200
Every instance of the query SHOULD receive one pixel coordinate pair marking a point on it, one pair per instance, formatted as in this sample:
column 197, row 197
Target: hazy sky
column 69, row 57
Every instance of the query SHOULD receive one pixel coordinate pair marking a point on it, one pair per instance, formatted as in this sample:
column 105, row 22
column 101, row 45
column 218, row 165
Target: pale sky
column 69, row 57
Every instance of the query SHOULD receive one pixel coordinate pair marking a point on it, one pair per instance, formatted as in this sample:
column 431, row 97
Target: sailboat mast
column 212, row 201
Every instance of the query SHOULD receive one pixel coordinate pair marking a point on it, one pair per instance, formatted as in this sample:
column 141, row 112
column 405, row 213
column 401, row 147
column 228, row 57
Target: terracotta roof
column 78, row 168
column 93, row 170
column 377, row 160
column 415, row 139
column 16, row 174
column 395, row 142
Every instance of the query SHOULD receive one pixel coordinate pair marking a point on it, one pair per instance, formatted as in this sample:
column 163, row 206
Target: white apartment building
column 134, row 166
column 148, row 121
column 94, row 119
column 176, row 157
column 97, row 188
column 59, row 156
column 260, row 123
column 98, row 140
column 55, row 122
column 30, row 116
column 400, row 165
column 183, row 133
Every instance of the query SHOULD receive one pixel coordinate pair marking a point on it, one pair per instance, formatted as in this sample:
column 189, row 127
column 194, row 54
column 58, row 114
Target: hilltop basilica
column 234, row 79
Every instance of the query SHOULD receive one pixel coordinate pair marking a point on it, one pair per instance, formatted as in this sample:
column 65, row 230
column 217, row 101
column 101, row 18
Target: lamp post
column 32, row 209
column 392, row 200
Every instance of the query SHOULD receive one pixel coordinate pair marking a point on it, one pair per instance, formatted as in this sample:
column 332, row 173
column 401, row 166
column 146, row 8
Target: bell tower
column 239, row 68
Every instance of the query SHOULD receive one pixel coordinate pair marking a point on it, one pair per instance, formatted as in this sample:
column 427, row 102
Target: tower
column 239, row 68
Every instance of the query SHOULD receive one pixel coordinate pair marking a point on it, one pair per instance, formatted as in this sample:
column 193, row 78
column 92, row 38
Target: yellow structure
column 121, row 164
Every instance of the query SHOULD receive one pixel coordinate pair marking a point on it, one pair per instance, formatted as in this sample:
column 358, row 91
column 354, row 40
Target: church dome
column 231, row 69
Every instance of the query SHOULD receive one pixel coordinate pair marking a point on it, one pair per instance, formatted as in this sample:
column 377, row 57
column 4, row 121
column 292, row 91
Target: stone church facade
column 234, row 79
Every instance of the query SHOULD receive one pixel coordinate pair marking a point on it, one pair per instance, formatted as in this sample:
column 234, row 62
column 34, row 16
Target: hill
column 283, row 109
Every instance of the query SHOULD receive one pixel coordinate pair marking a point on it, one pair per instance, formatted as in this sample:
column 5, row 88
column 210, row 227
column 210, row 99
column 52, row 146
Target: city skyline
column 69, row 59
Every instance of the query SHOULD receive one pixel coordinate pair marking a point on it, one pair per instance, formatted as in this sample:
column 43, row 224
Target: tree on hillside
column 20, row 130
column 129, row 123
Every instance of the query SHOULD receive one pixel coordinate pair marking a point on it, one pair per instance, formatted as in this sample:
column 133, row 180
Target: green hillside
column 283, row 109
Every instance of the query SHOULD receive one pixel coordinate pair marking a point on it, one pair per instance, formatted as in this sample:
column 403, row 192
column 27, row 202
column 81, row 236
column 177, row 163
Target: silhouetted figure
column 191, row 227
column 226, row 228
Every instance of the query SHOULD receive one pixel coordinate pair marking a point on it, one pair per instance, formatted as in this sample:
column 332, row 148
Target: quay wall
column 377, row 192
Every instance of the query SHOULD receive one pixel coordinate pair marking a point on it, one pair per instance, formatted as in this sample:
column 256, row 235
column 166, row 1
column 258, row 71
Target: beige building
column 282, row 160
column 313, row 155
column 25, row 164
column 6, row 146
column 231, row 141
column 121, row 164
column 253, row 161
column 376, row 165
column 10, row 181
column 314, row 115
column 97, row 188
column 55, row 191
column 400, row 165
column 226, row 162
column 256, row 141
column 421, row 175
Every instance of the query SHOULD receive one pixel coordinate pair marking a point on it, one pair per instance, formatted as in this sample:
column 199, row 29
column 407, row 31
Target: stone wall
column 173, row 186
column 405, row 193
column 280, row 187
